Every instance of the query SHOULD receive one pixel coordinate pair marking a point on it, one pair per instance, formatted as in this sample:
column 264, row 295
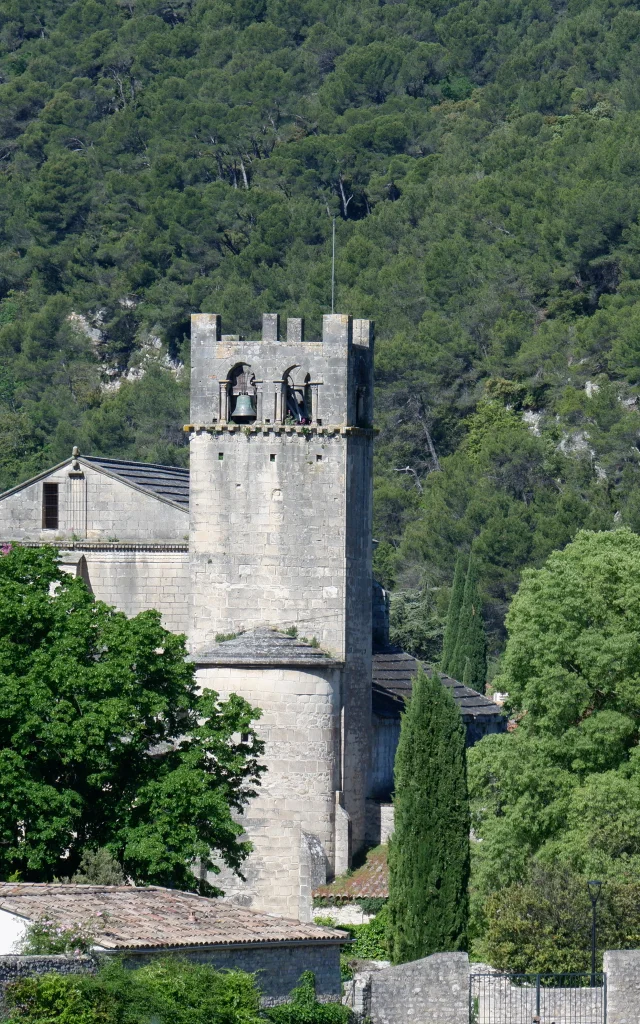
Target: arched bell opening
column 242, row 394
column 308, row 399
column 295, row 399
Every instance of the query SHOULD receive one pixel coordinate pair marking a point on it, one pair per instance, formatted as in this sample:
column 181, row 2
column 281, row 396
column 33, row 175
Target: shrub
column 167, row 990
column 304, row 1007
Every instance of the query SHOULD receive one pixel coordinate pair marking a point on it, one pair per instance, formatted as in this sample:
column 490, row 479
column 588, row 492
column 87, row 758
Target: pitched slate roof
column 393, row 672
column 126, row 917
column 168, row 482
column 265, row 646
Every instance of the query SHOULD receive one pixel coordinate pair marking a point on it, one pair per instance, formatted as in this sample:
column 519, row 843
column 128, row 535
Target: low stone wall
column 277, row 968
column 622, row 967
column 434, row 990
column 12, row 968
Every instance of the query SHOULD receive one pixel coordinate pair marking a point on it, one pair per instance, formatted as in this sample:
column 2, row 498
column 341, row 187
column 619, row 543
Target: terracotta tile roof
column 371, row 880
column 127, row 917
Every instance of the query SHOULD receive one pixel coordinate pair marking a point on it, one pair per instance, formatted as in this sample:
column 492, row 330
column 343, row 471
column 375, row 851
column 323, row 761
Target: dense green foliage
column 98, row 867
column 544, row 924
column 105, row 740
column 483, row 163
column 451, row 629
column 304, row 1008
column 369, row 940
column 429, row 851
column 167, row 991
column 564, row 787
column 46, row 936
column 465, row 644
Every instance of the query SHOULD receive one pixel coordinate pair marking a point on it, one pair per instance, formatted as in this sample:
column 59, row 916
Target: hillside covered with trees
column 482, row 159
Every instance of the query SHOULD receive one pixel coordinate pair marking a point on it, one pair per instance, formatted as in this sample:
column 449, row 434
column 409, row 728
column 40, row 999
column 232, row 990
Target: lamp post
column 594, row 895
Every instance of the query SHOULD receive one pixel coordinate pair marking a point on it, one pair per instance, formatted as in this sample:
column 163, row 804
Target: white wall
column 12, row 928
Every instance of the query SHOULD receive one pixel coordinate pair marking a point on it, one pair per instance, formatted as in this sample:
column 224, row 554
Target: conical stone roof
column 265, row 646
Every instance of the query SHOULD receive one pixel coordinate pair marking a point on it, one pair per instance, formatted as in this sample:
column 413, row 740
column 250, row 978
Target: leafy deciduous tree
column 105, row 741
column 564, row 787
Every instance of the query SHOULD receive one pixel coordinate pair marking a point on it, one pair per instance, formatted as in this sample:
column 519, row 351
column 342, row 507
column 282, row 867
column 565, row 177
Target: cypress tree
column 429, row 851
column 469, row 660
column 453, row 613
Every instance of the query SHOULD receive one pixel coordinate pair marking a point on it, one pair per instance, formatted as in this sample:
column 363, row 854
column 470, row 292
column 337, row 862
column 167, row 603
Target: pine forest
column 482, row 164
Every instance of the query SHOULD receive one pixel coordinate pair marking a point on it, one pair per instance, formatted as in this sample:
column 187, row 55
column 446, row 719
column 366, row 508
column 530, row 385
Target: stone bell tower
column 280, row 549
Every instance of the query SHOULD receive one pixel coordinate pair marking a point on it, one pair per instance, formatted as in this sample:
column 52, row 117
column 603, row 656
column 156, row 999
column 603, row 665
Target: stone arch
column 294, row 404
column 240, row 385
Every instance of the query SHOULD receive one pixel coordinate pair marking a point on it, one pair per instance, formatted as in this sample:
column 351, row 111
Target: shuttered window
column 50, row 506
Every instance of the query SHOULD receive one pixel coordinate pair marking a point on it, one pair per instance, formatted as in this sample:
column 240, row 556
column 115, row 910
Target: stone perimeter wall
column 277, row 968
column 434, row 990
column 622, row 967
column 13, row 968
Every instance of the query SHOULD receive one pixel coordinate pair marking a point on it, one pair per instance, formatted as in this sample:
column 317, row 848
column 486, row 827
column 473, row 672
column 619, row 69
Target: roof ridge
column 134, row 462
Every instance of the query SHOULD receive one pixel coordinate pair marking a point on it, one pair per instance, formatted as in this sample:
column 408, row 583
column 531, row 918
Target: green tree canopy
column 429, row 851
column 466, row 649
column 481, row 162
column 544, row 924
column 564, row 787
column 105, row 741
column 451, row 629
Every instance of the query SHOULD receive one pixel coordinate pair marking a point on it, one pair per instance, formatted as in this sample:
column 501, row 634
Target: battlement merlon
column 288, row 380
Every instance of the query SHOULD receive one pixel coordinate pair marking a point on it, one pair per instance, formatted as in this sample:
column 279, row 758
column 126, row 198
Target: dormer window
column 50, row 506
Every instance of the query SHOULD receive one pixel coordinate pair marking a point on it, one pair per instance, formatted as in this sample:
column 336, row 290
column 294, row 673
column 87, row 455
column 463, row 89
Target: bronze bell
column 244, row 410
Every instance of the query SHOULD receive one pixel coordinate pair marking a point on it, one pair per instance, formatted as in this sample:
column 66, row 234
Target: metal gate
column 538, row 998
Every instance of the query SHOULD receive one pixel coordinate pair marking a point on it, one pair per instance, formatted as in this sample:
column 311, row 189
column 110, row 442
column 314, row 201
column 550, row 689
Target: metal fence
column 538, row 999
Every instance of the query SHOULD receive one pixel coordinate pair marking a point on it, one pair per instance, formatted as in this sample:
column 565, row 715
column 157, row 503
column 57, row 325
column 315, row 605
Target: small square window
column 318, row 458
column 220, row 456
column 50, row 507
column 272, row 458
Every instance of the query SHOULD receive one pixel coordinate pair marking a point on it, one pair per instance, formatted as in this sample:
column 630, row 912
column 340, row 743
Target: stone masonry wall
column 300, row 724
column 380, row 822
column 622, row 967
column 12, row 968
column 434, row 990
column 113, row 511
column 134, row 581
column 268, row 535
column 357, row 672
column 277, row 968
column 280, row 528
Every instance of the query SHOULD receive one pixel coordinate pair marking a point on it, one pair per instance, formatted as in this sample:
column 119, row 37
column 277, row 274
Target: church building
column 260, row 553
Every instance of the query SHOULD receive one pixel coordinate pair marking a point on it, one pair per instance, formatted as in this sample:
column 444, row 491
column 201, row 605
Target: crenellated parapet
column 279, row 381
